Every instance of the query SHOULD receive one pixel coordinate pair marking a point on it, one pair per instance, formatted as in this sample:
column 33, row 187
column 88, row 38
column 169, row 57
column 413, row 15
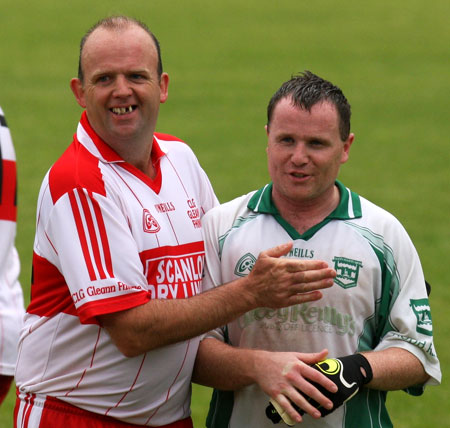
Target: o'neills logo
column 149, row 222
column 174, row 272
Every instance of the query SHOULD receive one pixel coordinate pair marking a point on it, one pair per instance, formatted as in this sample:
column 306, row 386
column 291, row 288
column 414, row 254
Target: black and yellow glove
column 349, row 373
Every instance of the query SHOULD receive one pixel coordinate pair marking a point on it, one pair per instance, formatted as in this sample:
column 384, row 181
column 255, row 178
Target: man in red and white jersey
column 11, row 296
column 111, row 332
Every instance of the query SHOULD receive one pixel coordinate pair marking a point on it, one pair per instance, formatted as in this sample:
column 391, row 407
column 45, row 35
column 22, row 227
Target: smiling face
column 304, row 153
column 121, row 90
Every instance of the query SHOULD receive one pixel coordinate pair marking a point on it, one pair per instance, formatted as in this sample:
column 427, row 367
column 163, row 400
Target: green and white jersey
column 379, row 299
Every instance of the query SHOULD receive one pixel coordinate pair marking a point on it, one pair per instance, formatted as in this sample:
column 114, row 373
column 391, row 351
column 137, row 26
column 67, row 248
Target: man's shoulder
column 172, row 145
column 167, row 137
column 232, row 209
column 76, row 167
column 374, row 212
column 378, row 221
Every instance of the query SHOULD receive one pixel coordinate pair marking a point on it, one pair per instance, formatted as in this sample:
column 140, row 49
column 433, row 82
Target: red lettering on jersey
column 194, row 214
column 174, row 272
column 165, row 207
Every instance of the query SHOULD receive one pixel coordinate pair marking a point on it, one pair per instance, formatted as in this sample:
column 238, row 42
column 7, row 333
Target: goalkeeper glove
column 345, row 372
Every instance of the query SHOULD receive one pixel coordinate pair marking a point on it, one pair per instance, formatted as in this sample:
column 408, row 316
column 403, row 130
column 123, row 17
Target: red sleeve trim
column 89, row 312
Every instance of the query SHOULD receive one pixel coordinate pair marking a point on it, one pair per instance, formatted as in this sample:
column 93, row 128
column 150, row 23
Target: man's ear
column 164, row 87
column 77, row 88
column 347, row 144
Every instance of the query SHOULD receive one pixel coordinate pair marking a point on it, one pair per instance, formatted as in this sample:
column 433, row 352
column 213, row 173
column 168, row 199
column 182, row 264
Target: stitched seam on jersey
column 239, row 222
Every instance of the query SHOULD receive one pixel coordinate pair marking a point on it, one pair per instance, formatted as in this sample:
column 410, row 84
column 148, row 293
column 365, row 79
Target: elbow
column 129, row 351
column 132, row 347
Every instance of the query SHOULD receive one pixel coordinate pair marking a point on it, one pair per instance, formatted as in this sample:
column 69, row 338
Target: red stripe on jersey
column 103, row 236
column 8, row 190
column 49, row 292
column 82, row 235
column 90, row 365
column 131, row 387
column 92, row 235
column 173, row 383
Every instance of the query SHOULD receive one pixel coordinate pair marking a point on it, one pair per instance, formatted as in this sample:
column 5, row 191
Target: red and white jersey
column 11, row 297
column 109, row 238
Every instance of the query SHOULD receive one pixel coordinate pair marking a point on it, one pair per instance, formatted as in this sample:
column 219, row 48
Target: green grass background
column 225, row 59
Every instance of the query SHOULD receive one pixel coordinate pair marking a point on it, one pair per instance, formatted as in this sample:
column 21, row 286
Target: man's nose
column 122, row 87
column 299, row 154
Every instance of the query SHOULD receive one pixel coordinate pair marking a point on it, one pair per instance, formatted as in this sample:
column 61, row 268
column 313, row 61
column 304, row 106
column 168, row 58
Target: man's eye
column 103, row 79
column 287, row 140
column 316, row 143
column 137, row 77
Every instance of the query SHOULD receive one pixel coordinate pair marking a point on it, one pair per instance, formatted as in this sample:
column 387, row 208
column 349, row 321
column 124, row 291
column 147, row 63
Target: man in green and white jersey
column 376, row 315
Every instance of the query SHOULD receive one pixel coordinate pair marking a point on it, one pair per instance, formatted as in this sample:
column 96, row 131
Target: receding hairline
column 118, row 24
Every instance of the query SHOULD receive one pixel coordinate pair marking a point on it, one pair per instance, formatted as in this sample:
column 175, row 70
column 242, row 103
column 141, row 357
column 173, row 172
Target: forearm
column 394, row 369
column 224, row 367
column 273, row 282
column 281, row 375
column 163, row 322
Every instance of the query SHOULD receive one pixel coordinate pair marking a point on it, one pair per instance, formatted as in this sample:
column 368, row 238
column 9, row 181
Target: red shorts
column 57, row 414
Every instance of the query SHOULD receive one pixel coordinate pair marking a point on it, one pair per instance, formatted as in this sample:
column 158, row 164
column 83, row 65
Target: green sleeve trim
column 367, row 409
column 222, row 402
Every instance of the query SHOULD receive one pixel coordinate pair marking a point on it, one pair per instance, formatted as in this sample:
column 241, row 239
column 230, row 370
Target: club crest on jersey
column 149, row 222
column 245, row 265
column 421, row 309
column 347, row 271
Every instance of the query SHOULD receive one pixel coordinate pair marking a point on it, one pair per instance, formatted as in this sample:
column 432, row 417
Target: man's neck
column 138, row 155
column 305, row 215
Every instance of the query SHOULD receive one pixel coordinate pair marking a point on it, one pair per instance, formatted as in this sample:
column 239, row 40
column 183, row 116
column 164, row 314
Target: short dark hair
column 119, row 22
column 305, row 90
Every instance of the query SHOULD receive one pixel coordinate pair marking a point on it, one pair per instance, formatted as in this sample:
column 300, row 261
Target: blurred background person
column 11, row 296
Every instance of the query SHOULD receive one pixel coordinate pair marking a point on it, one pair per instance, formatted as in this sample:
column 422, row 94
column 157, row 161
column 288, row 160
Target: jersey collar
column 349, row 207
column 89, row 138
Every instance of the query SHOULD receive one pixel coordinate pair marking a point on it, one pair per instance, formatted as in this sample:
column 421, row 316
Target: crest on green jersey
column 421, row 309
column 347, row 271
column 245, row 265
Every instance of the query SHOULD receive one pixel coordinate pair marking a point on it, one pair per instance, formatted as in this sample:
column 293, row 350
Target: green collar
column 349, row 207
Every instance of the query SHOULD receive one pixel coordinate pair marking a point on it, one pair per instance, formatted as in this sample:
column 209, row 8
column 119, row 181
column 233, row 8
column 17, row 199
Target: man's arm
column 282, row 375
column 225, row 367
column 394, row 369
column 274, row 282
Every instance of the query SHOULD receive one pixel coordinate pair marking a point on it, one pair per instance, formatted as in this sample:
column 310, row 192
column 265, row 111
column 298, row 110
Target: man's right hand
column 291, row 382
column 277, row 281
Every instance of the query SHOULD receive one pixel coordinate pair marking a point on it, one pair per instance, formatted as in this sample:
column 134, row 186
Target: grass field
column 225, row 59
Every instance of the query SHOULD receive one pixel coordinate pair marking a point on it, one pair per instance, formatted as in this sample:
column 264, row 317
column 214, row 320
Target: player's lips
column 299, row 175
column 123, row 110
